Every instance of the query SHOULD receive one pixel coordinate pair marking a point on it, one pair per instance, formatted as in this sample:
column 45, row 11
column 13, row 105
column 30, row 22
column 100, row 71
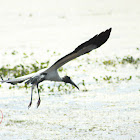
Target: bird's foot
column 38, row 103
column 29, row 104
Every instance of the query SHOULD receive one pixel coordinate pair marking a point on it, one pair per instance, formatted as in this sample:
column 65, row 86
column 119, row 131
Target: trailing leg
column 32, row 88
column 38, row 103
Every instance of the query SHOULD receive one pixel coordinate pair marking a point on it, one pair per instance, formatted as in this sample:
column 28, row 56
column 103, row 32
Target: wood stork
column 52, row 74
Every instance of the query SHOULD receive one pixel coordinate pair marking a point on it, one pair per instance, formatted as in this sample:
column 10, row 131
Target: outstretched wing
column 84, row 48
column 17, row 80
column 22, row 78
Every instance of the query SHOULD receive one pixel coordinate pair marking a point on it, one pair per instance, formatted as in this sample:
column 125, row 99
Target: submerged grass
column 125, row 60
column 20, row 70
column 13, row 122
column 112, row 79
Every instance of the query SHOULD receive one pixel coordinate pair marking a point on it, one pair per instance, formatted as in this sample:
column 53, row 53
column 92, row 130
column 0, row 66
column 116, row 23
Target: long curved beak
column 71, row 82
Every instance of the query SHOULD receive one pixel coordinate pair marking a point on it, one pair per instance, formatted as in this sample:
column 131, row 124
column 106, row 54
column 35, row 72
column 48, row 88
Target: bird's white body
column 53, row 76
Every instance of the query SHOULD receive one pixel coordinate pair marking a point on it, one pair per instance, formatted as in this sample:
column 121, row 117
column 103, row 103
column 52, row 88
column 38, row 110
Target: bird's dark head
column 67, row 79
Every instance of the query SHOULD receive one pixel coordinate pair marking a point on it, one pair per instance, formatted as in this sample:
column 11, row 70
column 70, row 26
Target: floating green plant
column 14, row 52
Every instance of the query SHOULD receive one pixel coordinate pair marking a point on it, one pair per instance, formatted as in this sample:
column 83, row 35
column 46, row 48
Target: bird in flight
column 51, row 73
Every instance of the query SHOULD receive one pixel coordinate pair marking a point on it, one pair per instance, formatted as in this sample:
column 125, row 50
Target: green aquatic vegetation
column 30, row 15
column 130, row 77
column 16, row 121
column 107, row 78
column 88, row 61
column 31, row 54
column 25, row 55
column 95, row 79
column 35, row 67
column 4, row 71
column 14, row 52
column 109, row 62
column 82, row 86
column 11, row 87
column 79, row 66
column 91, row 129
column 83, row 82
column 60, row 69
column 111, row 79
column 61, row 88
column 125, row 60
column 138, row 76
column 40, row 88
column 130, row 60
column 20, row 70
column 44, row 64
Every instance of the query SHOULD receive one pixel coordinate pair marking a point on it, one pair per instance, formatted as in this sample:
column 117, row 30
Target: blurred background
column 59, row 24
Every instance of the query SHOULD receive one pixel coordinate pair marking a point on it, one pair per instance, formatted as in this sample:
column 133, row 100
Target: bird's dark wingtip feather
column 97, row 40
column 109, row 30
column 102, row 37
column 84, row 48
